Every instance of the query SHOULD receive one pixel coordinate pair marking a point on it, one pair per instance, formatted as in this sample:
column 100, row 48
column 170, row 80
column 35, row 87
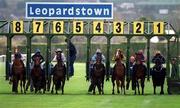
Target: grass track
column 76, row 96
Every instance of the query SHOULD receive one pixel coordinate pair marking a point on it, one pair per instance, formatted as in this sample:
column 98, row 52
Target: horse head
column 138, row 58
column 16, row 56
column 118, row 55
column 59, row 69
column 158, row 64
column 158, row 61
column 17, row 60
column 37, row 61
column 98, row 58
column 59, row 59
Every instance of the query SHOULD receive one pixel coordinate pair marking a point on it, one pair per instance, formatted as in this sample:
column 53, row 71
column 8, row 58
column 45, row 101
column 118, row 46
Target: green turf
column 76, row 96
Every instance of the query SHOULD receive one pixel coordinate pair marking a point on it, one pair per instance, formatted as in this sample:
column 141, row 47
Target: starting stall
column 84, row 19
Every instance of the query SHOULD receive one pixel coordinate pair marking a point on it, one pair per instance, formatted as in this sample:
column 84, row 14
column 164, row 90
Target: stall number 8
column 17, row 26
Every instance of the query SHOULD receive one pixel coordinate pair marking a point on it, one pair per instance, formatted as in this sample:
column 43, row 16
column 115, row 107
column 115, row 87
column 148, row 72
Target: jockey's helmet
column 16, row 50
column 58, row 50
column 37, row 51
column 140, row 52
column 98, row 51
column 158, row 53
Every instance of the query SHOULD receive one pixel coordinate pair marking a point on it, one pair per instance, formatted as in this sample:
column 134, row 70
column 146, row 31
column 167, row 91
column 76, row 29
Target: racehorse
column 158, row 75
column 98, row 75
column 18, row 74
column 59, row 75
column 139, row 73
column 119, row 71
column 38, row 76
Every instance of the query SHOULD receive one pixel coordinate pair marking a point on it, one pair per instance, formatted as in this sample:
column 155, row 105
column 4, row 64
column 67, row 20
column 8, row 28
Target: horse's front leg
column 17, row 82
column 63, row 83
column 44, row 85
column 99, row 85
column 123, row 84
column 121, row 87
column 49, row 84
column 99, row 88
column 21, row 84
column 154, row 89
column 138, row 87
column 36, row 90
column 24, row 85
column 113, row 84
column 135, row 86
column 27, row 84
column 142, row 86
column 56, row 89
column 102, row 86
column 14, row 84
column 118, row 85
column 39, row 85
column 162, row 89
column 94, row 86
column 35, row 86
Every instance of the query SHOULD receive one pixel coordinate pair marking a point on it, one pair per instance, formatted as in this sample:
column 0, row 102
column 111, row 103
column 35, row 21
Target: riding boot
column 13, row 87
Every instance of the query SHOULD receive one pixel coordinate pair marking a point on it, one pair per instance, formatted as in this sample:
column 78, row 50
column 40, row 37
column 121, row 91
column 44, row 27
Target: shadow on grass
column 77, row 94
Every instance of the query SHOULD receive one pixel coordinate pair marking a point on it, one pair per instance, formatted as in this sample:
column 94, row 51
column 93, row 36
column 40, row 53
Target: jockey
column 93, row 59
column 37, row 54
column 140, row 59
column 158, row 56
column 59, row 51
column 55, row 59
column 92, row 62
column 17, row 55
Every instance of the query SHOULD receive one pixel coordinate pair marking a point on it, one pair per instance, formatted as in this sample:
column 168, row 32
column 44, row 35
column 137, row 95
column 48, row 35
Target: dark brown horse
column 139, row 73
column 59, row 75
column 118, row 74
column 18, row 74
column 158, row 75
column 38, row 77
column 98, row 75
